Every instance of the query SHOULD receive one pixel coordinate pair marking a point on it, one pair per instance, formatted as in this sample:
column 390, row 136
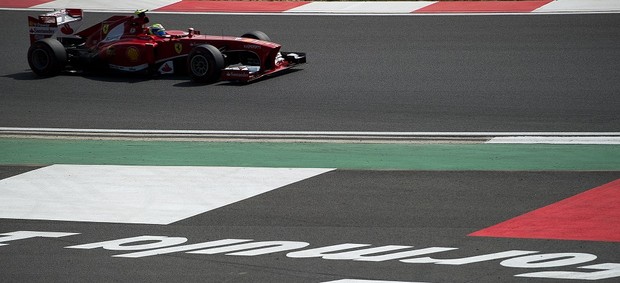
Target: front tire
column 257, row 35
column 205, row 64
column 47, row 57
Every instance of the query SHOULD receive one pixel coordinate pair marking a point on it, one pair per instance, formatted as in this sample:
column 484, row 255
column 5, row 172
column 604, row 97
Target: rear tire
column 257, row 35
column 205, row 64
column 47, row 57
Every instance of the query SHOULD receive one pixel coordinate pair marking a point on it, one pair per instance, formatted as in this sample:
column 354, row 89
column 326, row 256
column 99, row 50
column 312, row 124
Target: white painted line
column 367, row 281
column 135, row 194
column 321, row 136
column 555, row 140
column 299, row 133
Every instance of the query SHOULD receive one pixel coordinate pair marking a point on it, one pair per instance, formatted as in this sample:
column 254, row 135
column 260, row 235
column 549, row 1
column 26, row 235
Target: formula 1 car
column 127, row 44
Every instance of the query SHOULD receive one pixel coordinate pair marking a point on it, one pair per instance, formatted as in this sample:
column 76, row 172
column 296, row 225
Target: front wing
column 248, row 73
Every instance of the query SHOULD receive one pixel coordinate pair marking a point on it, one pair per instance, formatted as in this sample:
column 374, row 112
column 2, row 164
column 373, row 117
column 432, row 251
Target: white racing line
column 602, row 138
column 556, row 140
column 367, row 281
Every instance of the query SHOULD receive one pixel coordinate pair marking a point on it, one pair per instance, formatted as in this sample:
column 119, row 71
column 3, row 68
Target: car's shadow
column 24, row 76
column 113, row 77
column 30, row 76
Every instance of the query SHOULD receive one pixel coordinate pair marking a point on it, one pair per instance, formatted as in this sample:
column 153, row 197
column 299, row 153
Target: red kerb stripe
column 593, row 215
column 22, row 3
column 232, row 6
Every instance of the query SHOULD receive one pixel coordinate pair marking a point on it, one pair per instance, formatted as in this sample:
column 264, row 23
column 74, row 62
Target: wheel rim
column 40, row 59
column 199, row 65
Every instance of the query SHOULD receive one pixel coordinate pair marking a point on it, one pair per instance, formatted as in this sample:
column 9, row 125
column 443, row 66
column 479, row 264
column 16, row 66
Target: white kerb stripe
column 135, row 194
column 567, row 6
column 373, row 7
column 106, row 4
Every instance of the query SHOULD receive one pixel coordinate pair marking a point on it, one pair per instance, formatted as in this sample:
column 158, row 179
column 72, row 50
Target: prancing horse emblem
column 178, row 47
column 105, row 28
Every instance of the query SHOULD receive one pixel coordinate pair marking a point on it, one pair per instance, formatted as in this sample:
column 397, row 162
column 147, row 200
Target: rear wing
column 65, row 22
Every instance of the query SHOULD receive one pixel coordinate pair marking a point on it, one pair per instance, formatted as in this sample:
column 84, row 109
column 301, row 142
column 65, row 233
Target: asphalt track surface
column 396, row 73
column 400, row 73
column 378, row 208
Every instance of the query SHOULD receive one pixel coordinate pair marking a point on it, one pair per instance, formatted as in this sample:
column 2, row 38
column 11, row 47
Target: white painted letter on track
column 323, row 251
column 21, row 235
column 183, row 248
column 134, row 243
column 377, row 254
column 471, row 259
column 548, row 260
column 607, row 270
column 405, row 254
column 256, row 248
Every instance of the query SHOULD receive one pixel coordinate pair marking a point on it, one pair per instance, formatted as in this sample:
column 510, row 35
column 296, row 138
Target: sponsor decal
column 178, row 47
column 543, row 265
column 252, row 46
column 32, row 21
column 167, row 68
column 66, row 29
column 133, row 54
column 129, row 69
column 237, row 75
column 48, row 19
column 44, row 30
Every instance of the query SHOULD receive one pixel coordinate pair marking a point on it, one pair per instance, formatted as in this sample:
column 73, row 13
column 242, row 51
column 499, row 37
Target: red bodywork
column 123, row 43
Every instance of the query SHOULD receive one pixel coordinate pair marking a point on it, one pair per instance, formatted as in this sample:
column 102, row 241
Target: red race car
column 130, row 44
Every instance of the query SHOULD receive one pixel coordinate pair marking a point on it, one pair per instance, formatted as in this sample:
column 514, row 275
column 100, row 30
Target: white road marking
column 326, row 133
column 135, row 194
column 367, row 281
column 556, row 140
column 491, row 137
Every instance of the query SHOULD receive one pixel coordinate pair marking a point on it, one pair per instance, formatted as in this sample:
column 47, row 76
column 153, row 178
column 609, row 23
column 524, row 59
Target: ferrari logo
column 105, row 28
column 178, row 47
column 133, row 54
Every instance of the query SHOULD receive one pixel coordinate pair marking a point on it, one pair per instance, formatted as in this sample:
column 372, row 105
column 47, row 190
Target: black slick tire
column 205, row 64
column 47, row 57
column 257, row 35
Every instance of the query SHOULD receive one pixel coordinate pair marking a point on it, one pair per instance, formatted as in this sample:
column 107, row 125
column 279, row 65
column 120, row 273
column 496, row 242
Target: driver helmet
column 141, row 12
column 157, row 29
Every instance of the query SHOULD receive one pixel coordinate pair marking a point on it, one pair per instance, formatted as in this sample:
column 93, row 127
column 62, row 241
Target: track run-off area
column 411, row 148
